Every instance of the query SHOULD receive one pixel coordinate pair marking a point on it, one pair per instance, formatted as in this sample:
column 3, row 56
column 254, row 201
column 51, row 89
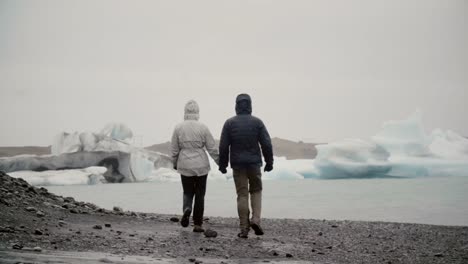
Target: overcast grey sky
column 316, row 70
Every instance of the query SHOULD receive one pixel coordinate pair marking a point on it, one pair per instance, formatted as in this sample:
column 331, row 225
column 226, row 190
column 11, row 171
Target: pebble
column 174, row 219
column 40, row 214
column 289, row 255
column 192, row 259
column 37, row 249
column 107, row 225
column 97, row 227
column 31, row 209
column 17, row 246
column 117, row 209
column 74, row 211
column 62, row 223
column 439, row 255
column 211, row 233
column 38, row 232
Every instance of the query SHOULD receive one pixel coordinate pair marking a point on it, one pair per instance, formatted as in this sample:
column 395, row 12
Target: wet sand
column 39, row 227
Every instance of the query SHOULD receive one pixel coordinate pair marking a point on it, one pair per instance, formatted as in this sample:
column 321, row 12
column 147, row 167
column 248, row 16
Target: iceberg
column 400, row 149
column 109, row 148
column 351, row 158
column 87, row 176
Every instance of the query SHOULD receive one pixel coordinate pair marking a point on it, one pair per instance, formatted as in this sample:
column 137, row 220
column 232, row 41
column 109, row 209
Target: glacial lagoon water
column 440, row 201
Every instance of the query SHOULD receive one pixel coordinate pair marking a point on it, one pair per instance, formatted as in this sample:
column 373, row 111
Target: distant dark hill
column 281, row 148
column 14, row 151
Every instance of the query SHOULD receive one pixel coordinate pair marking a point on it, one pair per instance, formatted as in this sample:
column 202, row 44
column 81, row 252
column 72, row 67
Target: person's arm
column 224, row 144
column 267, row 148
column 210, row 146
column 175, row 148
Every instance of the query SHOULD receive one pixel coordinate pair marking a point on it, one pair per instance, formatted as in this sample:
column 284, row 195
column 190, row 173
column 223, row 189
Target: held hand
column 268, row 167
column 223, row 170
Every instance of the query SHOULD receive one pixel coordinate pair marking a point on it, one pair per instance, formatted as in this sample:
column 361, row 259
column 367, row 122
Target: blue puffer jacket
column 242, row 137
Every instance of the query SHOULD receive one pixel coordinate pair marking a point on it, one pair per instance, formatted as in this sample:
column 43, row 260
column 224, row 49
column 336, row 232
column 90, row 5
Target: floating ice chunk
column 88, row 141
column 414, row 167
column 448, row 144
column 86, row 176
column 117, row 131
column 351, row 158
column 140, row 165
column 404, row 137
column 164, row 175
column 66, row 143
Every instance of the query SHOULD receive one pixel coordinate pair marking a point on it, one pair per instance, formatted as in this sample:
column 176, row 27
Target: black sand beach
column 39, row 227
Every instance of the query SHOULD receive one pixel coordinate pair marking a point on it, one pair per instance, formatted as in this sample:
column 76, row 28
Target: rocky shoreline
column 36, row 223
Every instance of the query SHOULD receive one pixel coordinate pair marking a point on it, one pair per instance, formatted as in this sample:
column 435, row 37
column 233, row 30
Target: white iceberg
column 87, row 176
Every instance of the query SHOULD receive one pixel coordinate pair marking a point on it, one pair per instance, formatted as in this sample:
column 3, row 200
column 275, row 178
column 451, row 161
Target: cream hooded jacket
column 188, row 144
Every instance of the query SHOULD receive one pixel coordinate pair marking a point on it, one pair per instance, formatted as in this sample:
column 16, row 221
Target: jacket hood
column 243, row 104
column 192, row 111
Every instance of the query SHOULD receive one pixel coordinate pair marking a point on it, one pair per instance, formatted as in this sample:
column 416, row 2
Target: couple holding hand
column 243, row 140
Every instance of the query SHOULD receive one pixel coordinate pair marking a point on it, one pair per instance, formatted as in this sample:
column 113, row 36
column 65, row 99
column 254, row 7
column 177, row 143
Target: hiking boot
column 185, row 218
column 257, row 228
column 243, row 234
column 198, row 229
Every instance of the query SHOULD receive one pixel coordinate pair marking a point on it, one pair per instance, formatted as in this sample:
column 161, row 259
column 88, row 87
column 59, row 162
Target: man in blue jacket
column 241, row 139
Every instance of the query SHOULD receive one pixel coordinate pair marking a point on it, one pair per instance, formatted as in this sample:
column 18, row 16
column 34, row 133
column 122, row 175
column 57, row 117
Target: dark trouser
column 248, row 180
column 194, row 186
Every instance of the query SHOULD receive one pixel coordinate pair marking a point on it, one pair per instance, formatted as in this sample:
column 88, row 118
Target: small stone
column 334, row 226
column 198, row 262
column 74, row 211
column 107, row 225
column 69, row 199
column 174, row 219
column 211, row 233
column 38, row 232
column 192, row 259
column 31, row 209
column 329, row 247
column 274, row 253
column 17, row 246
column 40, row 214
column 117, row 209
column 289, row 255
column 7, row 229
column 105, row 260
column 439, row 255
column 62, row 223
column 320, row 233
column 67, row 205
column 37, row 249
column 97, row 227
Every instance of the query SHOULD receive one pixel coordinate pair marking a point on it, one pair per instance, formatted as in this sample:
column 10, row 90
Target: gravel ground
column 35, row 224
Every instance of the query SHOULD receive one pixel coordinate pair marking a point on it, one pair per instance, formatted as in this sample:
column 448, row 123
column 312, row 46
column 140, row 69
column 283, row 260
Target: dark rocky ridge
column 281, row 148
column 65, row 224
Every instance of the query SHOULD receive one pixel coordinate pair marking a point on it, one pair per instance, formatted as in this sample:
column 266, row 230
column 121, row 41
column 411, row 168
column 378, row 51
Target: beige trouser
column 248, row 180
